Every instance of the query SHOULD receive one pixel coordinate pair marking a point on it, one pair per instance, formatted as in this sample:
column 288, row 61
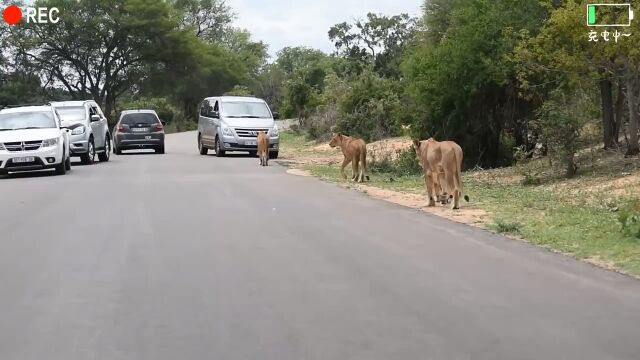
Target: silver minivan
column 231, row 123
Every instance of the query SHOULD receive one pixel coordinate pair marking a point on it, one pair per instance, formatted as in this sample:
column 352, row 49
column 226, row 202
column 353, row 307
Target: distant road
column 182, row 256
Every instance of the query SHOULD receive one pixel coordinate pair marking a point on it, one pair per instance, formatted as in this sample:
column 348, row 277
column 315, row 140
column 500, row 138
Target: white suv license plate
column 27, row 159
column 250, row 143
column 139, row 129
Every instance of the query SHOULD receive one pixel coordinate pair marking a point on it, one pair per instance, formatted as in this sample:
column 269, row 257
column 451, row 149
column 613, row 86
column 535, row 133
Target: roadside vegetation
column 592, row 216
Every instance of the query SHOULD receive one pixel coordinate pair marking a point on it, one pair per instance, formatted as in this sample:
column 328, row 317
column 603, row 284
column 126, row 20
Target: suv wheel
column 201, row 147
column 273, row 155
column 90, row 156
column 67, row 163
column 219, row 151
column 61, row 169
column 107, row 150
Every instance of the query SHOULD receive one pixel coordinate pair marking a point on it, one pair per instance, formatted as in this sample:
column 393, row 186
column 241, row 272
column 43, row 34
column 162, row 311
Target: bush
column 370, row 107
column 166, row 111
column 629, row 219
column 321, row 124
column 403, row 164
column 561, row 118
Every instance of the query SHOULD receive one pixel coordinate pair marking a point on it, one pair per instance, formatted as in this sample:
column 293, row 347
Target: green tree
column 465, row 88
column 97, row 50
column 210, row 20
column 369, row 107
column 239, row 90
column 379, row 41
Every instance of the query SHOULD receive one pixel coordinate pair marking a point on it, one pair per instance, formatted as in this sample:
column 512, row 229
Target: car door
column 208, row 121
column 96, row 127
column 203, row 121
column 104, row 125
column 215, row 115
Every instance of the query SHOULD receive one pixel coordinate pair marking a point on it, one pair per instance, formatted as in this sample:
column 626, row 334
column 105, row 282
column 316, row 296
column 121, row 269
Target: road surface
column 182, row 256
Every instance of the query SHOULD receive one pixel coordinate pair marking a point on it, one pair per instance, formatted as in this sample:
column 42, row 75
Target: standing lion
column 355, row 152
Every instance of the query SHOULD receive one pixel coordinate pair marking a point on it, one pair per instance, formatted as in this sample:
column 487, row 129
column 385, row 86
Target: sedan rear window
column 139, row 118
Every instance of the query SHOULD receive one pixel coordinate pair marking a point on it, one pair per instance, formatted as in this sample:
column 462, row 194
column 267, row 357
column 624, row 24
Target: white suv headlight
column 78, row 131
column 226, row 131
column 274, row 131
column 50, row 142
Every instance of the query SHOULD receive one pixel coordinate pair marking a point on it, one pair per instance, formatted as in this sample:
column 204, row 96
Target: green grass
column 540, row 214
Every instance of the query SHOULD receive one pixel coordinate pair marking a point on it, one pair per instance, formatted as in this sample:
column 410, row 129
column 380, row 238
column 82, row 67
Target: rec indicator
column 609, row 15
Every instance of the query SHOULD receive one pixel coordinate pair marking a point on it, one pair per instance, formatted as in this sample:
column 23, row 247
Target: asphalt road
column 182, row 256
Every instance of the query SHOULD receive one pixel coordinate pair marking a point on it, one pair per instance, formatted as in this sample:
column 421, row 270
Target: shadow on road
column 236, row 155
column 29, row 174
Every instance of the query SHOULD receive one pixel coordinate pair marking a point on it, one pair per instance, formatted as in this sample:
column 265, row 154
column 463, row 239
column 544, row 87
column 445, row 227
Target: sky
column 281, row 23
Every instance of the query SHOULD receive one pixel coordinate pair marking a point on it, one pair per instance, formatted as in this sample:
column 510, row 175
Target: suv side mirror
column 95, row 118
column 276, row 115
column 215, row 114
column 163, row 122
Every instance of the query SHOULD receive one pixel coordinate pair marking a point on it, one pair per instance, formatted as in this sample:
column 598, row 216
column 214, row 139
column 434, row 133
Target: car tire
column 160, row 150
column 219, row 151
column 203, row 149
column 61, row 169
column 67, row 163
column 104, row 157
column 90, row 156
column 273, row 155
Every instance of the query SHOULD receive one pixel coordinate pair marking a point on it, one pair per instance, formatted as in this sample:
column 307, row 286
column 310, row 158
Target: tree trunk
column 606, row 94
column 633, row 121
column 571, row 166
column 619, row 112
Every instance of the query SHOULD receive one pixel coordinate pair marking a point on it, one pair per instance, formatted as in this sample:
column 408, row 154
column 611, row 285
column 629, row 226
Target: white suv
column 89, row 129
column 32, row 138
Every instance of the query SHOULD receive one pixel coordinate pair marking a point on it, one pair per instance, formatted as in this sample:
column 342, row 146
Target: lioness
column 263, row 148
column 354, row 151
column 442, row 163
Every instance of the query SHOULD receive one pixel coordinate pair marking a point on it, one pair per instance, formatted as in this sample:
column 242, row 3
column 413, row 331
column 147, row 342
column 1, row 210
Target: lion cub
column 355, row 152
column 263, row 148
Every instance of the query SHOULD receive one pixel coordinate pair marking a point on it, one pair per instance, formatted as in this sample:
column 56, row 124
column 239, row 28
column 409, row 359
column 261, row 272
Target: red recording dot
column 12, row 14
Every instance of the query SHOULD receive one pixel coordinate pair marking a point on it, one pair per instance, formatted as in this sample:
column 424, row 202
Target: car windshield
column 139, row 118
column 245, row 110
column 71, row 113
column 27, row 120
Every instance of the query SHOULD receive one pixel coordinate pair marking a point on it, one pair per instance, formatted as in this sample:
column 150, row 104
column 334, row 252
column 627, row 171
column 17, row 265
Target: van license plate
column 148, row 137
column 250, row 143
column 28, row 159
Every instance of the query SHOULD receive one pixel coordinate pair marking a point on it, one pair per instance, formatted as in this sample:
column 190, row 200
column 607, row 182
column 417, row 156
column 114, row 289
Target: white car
column 32, row 138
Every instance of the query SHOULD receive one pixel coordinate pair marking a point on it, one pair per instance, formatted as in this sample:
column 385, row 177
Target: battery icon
column 609, row 14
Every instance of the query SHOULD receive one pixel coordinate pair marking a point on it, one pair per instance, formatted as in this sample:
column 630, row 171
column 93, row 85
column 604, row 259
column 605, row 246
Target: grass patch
column 503, row 227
